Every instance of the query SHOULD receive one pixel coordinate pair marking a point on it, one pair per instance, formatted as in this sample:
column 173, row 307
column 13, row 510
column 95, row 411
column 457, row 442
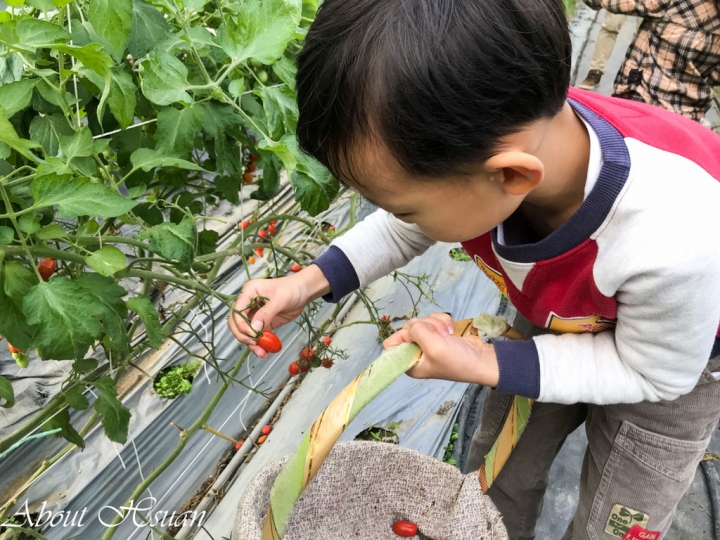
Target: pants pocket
column 495, row 410
column 642, row 482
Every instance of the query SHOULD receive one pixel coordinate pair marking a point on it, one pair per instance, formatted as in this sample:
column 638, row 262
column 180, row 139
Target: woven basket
column 342, row 491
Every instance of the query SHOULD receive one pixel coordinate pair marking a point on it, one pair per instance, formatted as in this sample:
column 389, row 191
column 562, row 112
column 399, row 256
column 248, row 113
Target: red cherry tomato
column 303, row 365
column 307, row 353
column 327, row 363
column 247, row 178
column 13, row 349
column 404, row 529
column 327, row 340
column 254, row 158
column 252, row 167
column 294, row 369
column 244, row 225
column 259, row 251
column 47, row 268
column 239, row 444
column 251, row 259
column 266, row 430
column 274, row 222
column 262, row 439
column 272, row 229
column 270, row 342
column 262, row 233
column 295, row 267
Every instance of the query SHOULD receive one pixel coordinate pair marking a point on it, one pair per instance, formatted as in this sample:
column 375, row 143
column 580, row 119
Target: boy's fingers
column 427, row 336
column 245, row 339
column 263, row 318
column 446, row 319
column 399, row 337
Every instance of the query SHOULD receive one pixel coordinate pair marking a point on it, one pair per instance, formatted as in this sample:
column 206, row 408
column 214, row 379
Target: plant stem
column 185, row 436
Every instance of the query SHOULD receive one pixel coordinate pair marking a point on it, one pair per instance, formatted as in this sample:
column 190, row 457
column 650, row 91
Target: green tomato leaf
column 148, row 28
column 9, row 136
column 6, row 393
column 229, row 188
column 143, row 306
column 280, row 109
column 262, row 31
column 164, row 79
column 286, row 149
column 7, row 235
column 76, row 399
column 79, row 144
column 29, row 223
column 79, row 197
column 314, row 186
column 116, row 418
column 18, row 280
column 176, row 129
column 92, row 56
column 62, row 420
column 11, row 68
column 46, row 131
column 85, row 365
column 236, row 87
column 217, row 121
column 68, row 320
column 111, row 20
column 13, row 286
column 51, row 232
column 104, row 291
column 37, row 33
column 176, row 242
column 286, row 71
column 16, row 96
column 269, row 183
column 122, row 98
column 106, row 261
column 207, row 242
column 147, row 159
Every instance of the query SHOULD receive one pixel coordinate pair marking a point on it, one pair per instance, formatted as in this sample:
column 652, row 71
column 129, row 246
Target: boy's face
column 447, row 209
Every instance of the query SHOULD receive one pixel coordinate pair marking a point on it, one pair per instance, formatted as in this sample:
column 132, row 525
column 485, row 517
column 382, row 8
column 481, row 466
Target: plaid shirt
column 674, row 61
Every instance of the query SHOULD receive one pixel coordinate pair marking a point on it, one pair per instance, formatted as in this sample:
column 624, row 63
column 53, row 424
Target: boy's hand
column 287, row 297
column 445, row 356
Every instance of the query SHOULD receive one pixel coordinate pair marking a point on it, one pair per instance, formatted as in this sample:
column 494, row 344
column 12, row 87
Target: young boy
column 597, row 217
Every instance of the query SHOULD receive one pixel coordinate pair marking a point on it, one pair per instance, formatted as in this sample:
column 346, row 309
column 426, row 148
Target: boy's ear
column 521, row 172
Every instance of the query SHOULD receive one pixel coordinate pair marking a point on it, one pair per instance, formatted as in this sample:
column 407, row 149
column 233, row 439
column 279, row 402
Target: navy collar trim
column 596, row 207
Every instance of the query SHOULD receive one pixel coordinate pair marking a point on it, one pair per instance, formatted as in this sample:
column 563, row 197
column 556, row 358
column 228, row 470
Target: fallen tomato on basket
column 270, row 342
column 406, row 529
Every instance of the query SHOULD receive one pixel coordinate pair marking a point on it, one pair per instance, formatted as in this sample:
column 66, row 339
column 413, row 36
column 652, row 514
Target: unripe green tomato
column 22, row 359
column 262, row 76
column 255, row 63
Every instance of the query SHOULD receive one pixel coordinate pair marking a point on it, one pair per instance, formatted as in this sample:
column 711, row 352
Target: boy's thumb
column 262, row 319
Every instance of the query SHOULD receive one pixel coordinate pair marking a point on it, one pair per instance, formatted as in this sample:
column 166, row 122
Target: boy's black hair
column 439, row 82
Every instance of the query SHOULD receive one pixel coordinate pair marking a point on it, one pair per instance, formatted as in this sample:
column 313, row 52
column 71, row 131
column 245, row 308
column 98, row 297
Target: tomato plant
column 123, row 123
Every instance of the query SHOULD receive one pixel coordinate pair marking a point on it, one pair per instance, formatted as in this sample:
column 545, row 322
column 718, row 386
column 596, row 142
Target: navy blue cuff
column 339, row 272
column 519, row 368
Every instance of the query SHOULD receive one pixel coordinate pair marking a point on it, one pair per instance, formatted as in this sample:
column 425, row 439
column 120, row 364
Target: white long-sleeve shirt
column 631, row 280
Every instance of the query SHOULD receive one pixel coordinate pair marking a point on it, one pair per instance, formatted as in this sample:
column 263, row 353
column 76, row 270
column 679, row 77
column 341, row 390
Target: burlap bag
column 365, row 487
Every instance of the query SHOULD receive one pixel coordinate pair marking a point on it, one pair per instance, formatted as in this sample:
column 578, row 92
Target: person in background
column 674, row 61
column 603, row 49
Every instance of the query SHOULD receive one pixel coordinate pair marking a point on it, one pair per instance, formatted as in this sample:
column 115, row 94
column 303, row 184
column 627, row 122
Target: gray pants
column 640, row 460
